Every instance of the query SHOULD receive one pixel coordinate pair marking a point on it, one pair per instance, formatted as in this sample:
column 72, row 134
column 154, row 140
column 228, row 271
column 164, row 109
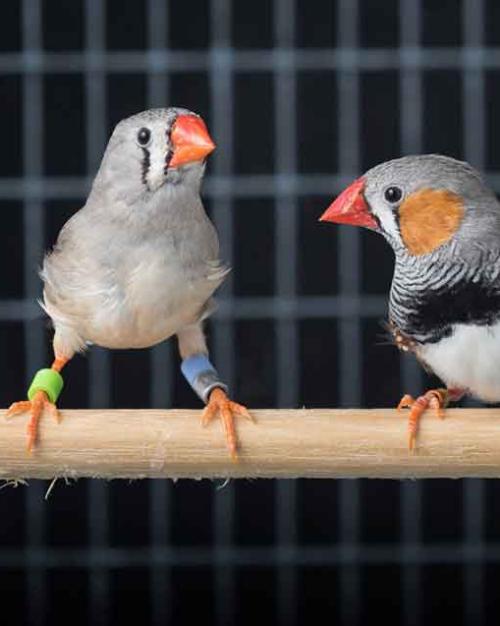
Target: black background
column 319, row 593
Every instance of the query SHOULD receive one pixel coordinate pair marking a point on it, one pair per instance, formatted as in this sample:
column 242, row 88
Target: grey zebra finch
column 443, row 224
column 139, row 262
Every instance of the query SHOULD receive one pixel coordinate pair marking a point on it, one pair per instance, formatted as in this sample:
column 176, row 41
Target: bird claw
column 17, row 408
column 36, row 407
column 436, row 399
column 406, row 402
column 220, row 404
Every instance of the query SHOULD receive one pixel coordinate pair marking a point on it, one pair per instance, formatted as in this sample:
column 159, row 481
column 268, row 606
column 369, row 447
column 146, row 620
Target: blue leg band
column 201, row 375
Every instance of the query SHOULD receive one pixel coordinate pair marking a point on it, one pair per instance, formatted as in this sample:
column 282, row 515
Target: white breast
column 155, row 299
column 469, row 359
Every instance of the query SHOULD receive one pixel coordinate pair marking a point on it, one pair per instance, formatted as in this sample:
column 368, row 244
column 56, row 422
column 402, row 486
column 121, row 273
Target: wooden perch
column 282, row 444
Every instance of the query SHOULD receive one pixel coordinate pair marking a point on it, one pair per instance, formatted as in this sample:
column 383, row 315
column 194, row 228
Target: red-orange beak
column 190, row 140
column 350, row 208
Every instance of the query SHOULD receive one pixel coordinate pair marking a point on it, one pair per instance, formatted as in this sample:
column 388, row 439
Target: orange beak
column 351, row 208
column 190, row 140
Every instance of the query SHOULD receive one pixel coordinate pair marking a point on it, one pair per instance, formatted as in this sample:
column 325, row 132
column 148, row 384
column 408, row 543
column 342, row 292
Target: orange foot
column 220, row 404
column 36, row 407
column 437, row 399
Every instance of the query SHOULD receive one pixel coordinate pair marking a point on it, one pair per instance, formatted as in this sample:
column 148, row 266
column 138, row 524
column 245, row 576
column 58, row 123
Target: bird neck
column 172, row 202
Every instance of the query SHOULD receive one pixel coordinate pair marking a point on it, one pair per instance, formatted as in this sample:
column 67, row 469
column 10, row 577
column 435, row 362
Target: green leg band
column 47, row 380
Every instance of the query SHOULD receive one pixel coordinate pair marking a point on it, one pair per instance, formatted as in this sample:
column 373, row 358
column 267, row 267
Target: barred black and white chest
column 449, row 313
column 429, row 296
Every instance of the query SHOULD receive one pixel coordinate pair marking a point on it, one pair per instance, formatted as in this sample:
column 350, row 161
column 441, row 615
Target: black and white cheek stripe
column 168, row 158
column 146, row 164
column 170, row 152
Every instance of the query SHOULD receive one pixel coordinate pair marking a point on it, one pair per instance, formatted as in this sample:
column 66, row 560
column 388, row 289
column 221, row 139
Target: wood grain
column 328, row 443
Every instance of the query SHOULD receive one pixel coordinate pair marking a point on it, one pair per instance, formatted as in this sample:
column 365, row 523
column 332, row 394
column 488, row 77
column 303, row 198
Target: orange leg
column 220, row 404
column 36, row 407
column 437, row 399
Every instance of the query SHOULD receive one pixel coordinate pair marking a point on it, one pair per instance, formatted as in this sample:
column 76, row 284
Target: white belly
column 469, row 359
column 129, row 330
column 153, row 304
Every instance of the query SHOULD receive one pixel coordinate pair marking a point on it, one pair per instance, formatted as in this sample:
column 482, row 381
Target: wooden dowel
column 282, row 444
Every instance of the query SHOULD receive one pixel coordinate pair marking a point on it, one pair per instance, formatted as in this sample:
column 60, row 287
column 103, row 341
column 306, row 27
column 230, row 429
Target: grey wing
column 74, row 277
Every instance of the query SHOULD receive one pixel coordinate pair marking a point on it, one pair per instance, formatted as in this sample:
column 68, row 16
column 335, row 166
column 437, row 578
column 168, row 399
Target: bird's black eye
column 393, row 194
column 144, row 136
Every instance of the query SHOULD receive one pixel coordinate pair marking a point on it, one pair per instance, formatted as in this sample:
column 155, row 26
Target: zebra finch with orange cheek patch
column 443, row 224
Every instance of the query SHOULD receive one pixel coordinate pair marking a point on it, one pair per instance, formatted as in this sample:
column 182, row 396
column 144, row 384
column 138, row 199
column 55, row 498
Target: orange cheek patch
column 429, row 218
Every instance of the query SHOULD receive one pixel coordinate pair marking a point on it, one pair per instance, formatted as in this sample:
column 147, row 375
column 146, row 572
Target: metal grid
column 349, row 306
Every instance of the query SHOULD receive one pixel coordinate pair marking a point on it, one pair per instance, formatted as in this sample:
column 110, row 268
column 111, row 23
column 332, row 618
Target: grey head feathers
column 136, row 161
column 480, row 226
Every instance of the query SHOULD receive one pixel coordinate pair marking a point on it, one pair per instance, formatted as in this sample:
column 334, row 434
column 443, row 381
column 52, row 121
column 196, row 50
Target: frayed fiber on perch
column 321, row 443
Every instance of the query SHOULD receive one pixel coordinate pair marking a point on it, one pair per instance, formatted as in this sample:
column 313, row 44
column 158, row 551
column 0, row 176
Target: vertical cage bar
column 285, row 200
column 161, row 355
column 99, row 359
column 349, row 276
column 474, row 107
column 32, row 115
column 158, row 78
column 222, row 113
column 411, row 118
